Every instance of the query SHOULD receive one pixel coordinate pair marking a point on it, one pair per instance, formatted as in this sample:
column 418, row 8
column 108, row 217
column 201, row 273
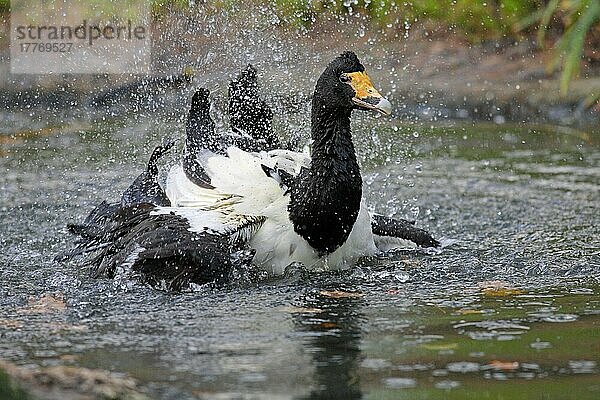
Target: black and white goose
column 288, row 206
column 226, row 208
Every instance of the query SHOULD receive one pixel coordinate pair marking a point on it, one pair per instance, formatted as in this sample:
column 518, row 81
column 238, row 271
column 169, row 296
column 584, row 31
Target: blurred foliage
column 579, row 19
column 476, row 19
column 473, row 20
column 162, row 7
column 9, row 390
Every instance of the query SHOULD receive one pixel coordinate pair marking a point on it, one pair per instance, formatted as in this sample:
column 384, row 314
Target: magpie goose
column 305, row 208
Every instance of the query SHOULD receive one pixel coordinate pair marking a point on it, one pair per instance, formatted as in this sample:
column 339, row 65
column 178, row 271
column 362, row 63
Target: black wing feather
column 161, row 248
column 403, row 229
column 249, row 114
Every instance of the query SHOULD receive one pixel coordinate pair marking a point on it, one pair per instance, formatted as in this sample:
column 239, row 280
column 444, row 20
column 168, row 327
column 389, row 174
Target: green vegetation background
column 575, row 24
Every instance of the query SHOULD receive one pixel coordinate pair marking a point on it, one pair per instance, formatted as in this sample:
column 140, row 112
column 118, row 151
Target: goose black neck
column 324, row 203
column 333, row 154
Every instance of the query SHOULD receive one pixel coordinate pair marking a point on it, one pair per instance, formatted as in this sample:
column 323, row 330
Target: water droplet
column 538, row 345
column 253, row 377
column 400, row 383
column 376, row 363
column 505, row 338
column 463, row 367
column 560, row 318
column 447, row 385
column 582, row 366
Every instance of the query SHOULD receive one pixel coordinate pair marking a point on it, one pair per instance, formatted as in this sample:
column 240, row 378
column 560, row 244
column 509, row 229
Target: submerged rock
column 67, row 383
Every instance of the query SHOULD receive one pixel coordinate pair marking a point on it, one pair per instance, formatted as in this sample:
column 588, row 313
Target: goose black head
column 345, row 85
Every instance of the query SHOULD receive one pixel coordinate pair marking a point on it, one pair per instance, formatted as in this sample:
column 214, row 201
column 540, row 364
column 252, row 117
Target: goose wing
column 145, row 188
column 250, row 119
column 402, row 229
column 143, row 234
column 170, row 246
column 249, row 114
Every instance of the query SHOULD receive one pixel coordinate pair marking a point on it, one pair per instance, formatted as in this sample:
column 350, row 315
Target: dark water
column 510, row 308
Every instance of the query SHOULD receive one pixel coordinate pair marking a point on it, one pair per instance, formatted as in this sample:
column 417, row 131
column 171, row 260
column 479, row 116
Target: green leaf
column 549, row 11
column 572, row 43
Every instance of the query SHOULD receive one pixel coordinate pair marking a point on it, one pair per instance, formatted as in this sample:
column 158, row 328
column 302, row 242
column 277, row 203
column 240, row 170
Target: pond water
column 509, row 308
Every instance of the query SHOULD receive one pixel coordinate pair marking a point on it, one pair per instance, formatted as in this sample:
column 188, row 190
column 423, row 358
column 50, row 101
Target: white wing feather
column 241, row 191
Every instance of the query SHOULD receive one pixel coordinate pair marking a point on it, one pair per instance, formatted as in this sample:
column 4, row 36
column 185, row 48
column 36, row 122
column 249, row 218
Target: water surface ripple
column 512, row 297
